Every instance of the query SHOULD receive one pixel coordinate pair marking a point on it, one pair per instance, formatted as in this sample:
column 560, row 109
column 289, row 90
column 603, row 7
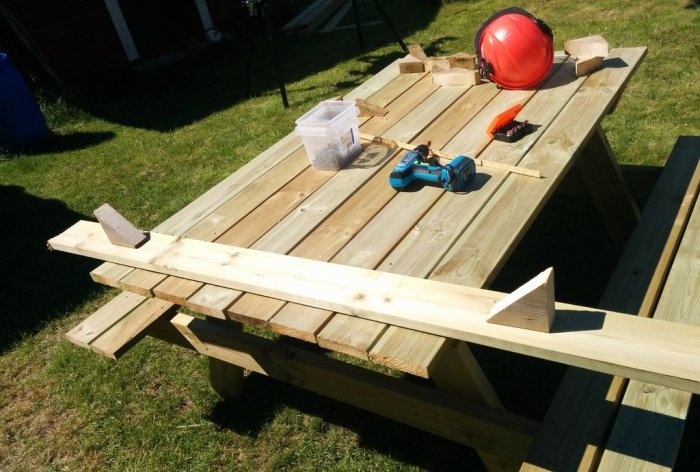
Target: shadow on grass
column 263, row 398
column 198, row 84
column 58, row 143
column 36, row 285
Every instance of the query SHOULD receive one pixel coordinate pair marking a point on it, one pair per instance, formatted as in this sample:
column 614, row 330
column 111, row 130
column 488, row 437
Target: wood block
column 411, row 65
column 531, row 306
column 416, row 51
column 370, row 109
column 587, row 64
column 437, row 63
column 456, row 76
column 588, row 46
column 118, row 229
column 462, row 60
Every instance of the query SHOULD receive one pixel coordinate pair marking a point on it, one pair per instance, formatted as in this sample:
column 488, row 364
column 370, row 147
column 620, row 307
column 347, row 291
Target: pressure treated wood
column 593, row 339
column 649, row 409
column 447, row 416
column 574, row 430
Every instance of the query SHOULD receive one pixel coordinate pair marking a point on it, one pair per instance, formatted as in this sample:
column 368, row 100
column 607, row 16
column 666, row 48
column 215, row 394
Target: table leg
column 226, row 379
column 458, row 372
column 600, row 172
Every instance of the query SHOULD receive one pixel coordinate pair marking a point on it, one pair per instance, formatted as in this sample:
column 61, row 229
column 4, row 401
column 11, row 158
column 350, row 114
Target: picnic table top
column 279, row 203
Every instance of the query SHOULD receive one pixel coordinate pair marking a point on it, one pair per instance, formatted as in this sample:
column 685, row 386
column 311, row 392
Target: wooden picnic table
column 278, row 203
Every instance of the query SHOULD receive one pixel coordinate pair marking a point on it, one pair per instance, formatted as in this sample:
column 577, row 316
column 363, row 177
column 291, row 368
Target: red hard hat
column 514, row 49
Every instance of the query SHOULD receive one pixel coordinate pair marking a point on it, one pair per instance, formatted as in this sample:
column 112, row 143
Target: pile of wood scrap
column 457, row 69
column 316, row 15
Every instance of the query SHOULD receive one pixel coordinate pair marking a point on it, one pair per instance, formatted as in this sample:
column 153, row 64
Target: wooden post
column 226, row 379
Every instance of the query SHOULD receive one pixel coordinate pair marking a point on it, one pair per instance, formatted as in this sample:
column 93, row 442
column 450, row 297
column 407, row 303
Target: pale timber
column 459, row 420
column 573, row 432
column 648, row 350
column 649, row 426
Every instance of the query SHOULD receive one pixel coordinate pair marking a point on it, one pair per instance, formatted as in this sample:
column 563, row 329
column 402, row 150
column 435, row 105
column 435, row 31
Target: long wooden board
column 649, row 350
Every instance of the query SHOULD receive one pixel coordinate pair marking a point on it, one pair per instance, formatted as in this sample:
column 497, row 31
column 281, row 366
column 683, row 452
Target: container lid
column 327, row 113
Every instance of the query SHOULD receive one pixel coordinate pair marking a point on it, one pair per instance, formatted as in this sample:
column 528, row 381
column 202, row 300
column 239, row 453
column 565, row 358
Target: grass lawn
column 151, row 142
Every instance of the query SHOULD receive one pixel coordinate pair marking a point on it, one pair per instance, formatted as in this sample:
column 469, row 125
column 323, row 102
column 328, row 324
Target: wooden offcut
column 649, row 350
column 118, row 229
column 531, row 306
column 410, row 64
column 367, row 108
column 462, row 60
column 589, row 46
column 456, row 77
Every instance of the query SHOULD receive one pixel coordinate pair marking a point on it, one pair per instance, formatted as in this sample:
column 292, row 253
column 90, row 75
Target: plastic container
column 21, row 121
column 330, row 134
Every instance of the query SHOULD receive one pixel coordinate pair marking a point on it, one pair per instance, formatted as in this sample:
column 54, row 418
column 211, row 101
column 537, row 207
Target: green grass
column 151, row 143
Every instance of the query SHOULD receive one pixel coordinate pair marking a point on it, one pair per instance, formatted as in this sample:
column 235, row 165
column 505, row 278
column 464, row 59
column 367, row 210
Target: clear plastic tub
column 330, row 134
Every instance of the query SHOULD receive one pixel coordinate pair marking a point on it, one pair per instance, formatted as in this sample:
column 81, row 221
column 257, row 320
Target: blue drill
column 454, row 177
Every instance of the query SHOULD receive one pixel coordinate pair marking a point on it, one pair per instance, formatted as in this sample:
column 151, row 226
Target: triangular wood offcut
column 118, row 229
column 531, row 306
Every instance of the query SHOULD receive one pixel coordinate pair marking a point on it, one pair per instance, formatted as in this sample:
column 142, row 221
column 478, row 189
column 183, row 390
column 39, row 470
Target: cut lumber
column 119, row 230
column 649, row 350
column 462, row 60
column 367, row 108
column 589, row 46
column 450, row 156
column 455, row 77
column 433, row 64
column 416, row 51
column 530, row 306
column 410, row 64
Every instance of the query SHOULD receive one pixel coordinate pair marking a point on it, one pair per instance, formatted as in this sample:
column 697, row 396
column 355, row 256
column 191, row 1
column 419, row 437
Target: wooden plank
column 407, row 402
column 212, row 300
column 104, row 318
column 218, row 221
column 140, row 281
column 275, row 208
column 649, row 350
column 407, row 350
column 109, row 274
column 350, row 335
column 176, row 290
column 130, row 328
column 317, row 207
column 254, row 309
column 300, row 322
column 580, row 415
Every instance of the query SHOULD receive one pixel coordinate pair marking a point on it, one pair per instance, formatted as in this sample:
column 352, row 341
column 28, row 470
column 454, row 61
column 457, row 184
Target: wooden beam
column 645, row 349
column 428, row 409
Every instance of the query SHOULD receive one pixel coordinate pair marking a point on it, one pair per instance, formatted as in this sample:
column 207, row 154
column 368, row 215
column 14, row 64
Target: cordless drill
column 415, row 165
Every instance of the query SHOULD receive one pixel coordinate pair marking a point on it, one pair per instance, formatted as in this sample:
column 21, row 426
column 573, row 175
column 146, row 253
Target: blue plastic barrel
column 21, row 121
